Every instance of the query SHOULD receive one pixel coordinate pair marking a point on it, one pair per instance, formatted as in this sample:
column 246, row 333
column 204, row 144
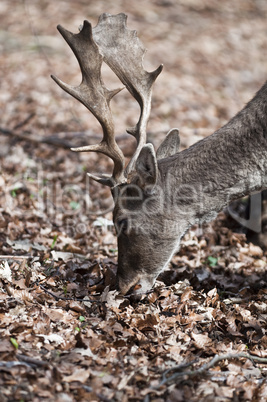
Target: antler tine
column 112, row 33
column 95, row 96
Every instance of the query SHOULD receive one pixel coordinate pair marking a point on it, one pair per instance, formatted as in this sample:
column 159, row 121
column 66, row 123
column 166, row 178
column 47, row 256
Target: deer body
column 192, row 187
column 228, row 164
column 159, row 196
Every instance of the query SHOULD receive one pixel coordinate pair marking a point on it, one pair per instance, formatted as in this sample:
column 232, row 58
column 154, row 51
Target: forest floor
column 64, row 335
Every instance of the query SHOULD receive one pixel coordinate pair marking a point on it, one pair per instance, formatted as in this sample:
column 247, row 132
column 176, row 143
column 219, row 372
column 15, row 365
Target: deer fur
column 189, row 187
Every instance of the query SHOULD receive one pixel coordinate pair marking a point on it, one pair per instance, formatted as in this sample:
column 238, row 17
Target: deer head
column 122, row 51
column 158, row 196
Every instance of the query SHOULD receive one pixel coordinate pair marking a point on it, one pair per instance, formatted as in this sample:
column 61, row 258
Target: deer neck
column 223, row 167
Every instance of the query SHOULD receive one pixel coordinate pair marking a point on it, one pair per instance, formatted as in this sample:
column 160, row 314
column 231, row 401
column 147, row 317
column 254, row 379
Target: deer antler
column 123, row 52
column 95, row 96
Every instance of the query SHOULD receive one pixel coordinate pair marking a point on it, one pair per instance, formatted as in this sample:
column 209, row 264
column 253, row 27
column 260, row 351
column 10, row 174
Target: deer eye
column 122, row 226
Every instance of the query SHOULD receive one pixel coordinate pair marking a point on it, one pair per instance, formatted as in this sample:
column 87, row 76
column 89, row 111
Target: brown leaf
column 186, row 295
column 148, row 322
column 201, row 341
column 79, row 375
column 6, row 346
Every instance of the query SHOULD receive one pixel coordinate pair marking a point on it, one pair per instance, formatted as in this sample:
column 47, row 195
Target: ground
column 64, row 335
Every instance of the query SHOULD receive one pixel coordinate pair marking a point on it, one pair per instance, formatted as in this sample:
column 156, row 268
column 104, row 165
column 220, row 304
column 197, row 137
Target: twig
column 37, row 139
column 31, row 361
column 205, row 367
column 67, row 298
column 15, row 257
column 55, row 139
column 25, row 121
column 11, row 364
column 178, row 368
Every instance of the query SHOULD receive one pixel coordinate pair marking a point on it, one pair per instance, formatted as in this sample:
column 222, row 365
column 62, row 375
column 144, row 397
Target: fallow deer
column 159, row 195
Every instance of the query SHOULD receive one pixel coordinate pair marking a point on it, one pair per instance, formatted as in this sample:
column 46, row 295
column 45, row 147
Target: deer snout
column 140, row 284
column 125, row 283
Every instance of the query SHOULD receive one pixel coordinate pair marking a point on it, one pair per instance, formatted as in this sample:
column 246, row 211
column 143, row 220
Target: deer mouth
column 126, row 286
column 137, row 286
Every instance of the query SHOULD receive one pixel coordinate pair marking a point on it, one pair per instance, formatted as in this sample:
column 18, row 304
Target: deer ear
column 147, row 167
column 170, row 145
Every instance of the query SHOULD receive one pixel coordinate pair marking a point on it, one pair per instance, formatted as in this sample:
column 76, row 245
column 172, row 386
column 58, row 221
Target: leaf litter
column 65, row 333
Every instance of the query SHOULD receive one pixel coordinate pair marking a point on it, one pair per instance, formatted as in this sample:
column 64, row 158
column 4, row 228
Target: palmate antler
column 122, row 51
